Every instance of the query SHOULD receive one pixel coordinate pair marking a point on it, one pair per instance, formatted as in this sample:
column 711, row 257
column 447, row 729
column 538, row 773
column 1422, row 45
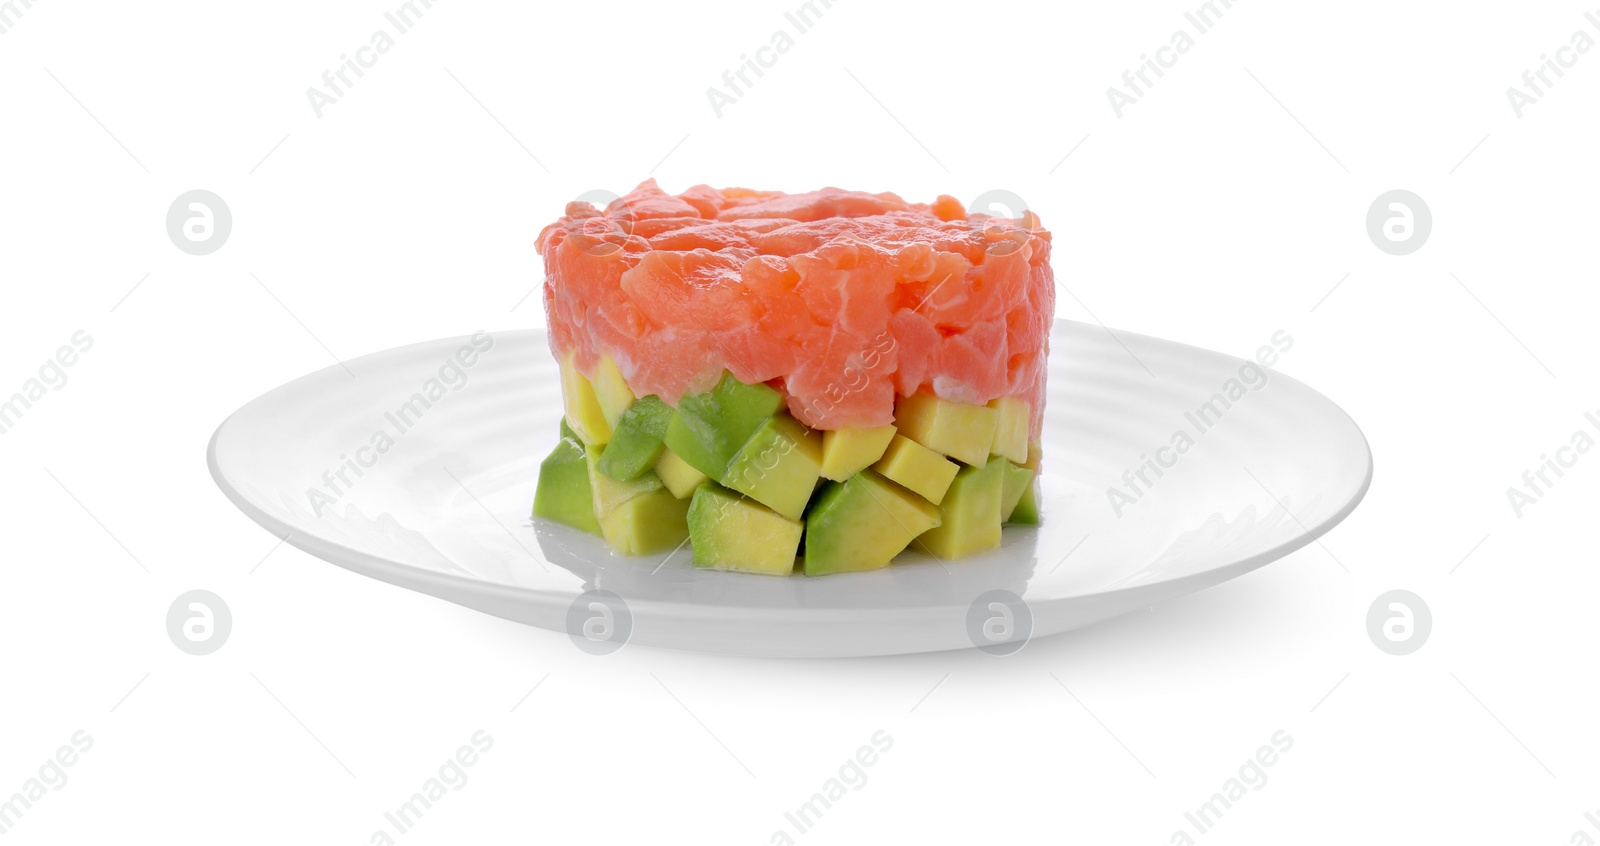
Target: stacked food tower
column 831, row 377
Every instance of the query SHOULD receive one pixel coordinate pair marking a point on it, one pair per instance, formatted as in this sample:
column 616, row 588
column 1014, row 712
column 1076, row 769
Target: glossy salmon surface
column 843, row 300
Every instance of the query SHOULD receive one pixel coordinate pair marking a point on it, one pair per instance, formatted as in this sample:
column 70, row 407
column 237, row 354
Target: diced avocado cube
column 1027, row 511
column 918, row 468
column 963, row 432
column 778, row 466
column 850, row 450
column 563, row 493
column 709, row 428
column 1015, row 482
column 862, row 524
column 611, row 390
column 610, row 493
column 649, row 523
column 677, row 475
column 582, row 408
column 733, row 532
column 1011, row 431
column 640, row 516
column 970, row 512
column 636, row 440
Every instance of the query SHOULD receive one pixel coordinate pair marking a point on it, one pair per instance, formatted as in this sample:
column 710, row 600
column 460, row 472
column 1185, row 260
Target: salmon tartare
column 830, row 377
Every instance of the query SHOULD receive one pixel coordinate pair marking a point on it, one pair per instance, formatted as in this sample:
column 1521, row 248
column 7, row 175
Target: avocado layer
column 753, row 488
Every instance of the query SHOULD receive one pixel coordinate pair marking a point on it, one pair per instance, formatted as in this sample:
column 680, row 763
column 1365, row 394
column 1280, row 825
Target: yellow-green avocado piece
column 582, row 407
column 852, row 449
column 1016, row 483
column 638, row 517
column 862, row 523
column 778, row 466
column 677, row 475
column 1026, row 511
column 918, row 468
column 563, row 493
column 729, row 531
column 970, row 512
column 1011, row 429
column 963, row 432
column 611, row 391
column 708, row 429
column 635, row 445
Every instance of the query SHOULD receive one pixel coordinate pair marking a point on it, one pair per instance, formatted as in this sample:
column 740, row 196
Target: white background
column 1207, row 213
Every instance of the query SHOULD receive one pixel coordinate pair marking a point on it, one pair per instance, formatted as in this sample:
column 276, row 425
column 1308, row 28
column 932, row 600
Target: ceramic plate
column 1167, row 469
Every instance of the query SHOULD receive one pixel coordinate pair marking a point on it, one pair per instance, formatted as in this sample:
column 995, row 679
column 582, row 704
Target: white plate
column 444, row 510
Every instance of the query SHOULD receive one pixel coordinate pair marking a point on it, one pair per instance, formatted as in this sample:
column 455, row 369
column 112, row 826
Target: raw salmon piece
column 845, row 300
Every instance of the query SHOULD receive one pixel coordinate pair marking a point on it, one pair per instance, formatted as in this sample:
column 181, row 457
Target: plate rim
column 412, row 577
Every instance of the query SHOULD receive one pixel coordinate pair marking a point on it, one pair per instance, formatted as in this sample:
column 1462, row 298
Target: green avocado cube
column 963, row 432
column 677, row 475
column 1011, row 430
column 729, row 531
column 862, row 523
column 636, row 441
column 637, row 517
column 778, row 466
column 709, row 428
column 1015, row 483
column 582, row 406
column 970, row 511
column 610, row 390
column 1027, row 511
column 563, row 492
column 650, row 523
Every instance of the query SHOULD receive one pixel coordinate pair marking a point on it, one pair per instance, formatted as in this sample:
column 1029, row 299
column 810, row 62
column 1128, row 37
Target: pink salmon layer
column 843, row 300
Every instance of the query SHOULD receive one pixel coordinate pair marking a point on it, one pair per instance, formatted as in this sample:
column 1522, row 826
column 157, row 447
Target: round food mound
column 841, row 299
